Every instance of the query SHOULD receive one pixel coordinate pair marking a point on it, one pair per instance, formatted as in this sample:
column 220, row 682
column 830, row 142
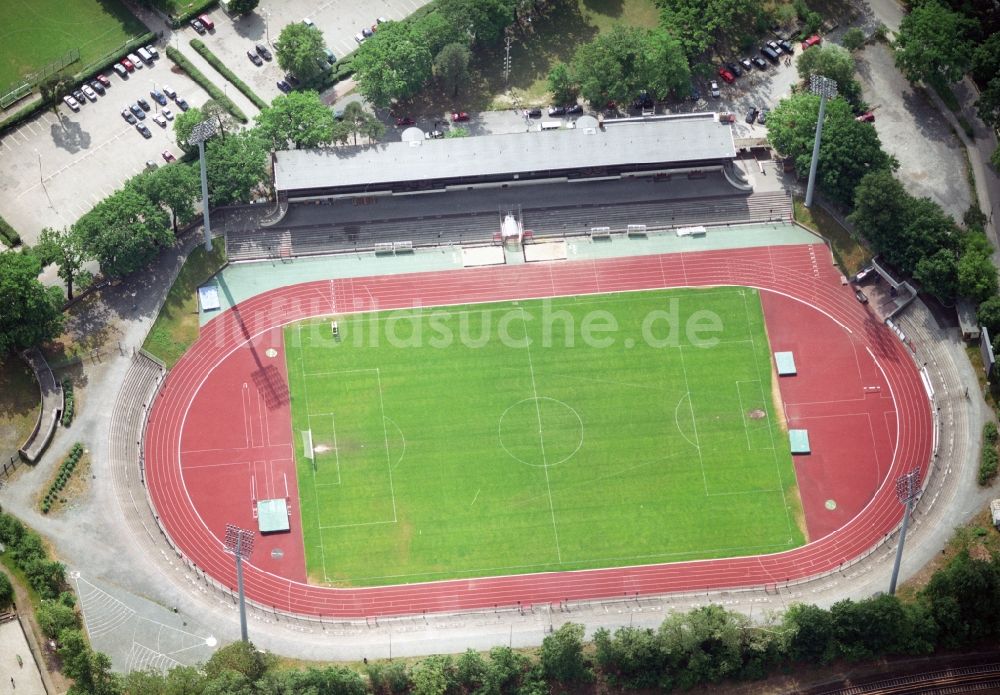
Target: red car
column 128, row 64
column 726, row 75
column 459, row 116
column 405, row 120
column 866, row 117
column 168, row 156
column 813, row 40
column 103, row 79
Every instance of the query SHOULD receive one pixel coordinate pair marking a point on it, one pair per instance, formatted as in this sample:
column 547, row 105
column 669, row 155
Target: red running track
column 805, row 273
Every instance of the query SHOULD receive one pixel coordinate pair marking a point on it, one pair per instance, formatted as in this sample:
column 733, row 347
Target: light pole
column 827, row 89
column 239, row 542
column 267, row 31
column 199, row 134
column 907, row 492
column 40, row 179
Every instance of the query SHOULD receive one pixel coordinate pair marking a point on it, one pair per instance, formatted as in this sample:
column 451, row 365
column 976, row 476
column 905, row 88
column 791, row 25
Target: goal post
column 307, row 447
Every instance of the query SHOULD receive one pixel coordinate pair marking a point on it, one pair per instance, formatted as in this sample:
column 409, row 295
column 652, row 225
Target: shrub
column 853, row 39
column 990, row 433
column 217, row 63
column 62, row 477
column 6, row 591
column 987, row 464
column 8, row 235
column 67, row 416
column 205, row 83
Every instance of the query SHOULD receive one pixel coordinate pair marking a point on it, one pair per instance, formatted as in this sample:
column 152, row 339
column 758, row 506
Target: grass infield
column 444, row 445
column 33, row 34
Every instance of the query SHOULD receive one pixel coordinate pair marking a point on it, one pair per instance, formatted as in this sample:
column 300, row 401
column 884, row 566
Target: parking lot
column 58, row 165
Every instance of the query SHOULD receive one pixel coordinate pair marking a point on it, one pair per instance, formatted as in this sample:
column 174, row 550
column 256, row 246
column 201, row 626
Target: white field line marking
column 743, row 416
column 476, row 497
column 694, row 421
column 770, row 429
column 305, row 398
column 541, row 435
column 385, row 433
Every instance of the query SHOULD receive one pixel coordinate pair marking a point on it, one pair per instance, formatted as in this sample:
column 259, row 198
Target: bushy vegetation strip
column 198, row 76
column 216, row 62
column 8, row 234
column 68, row 402
column 62, row 477
column 988, row 458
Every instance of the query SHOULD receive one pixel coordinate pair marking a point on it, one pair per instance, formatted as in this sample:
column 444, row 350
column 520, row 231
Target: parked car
column 727, row 118
column 574, row 109
column 151, row 50
column 197, row 25
column 150, row 164
column 762, row 116
column 787, row 46
column 121, row 70
column 284, row 86
column 168, row 156
column 135, row 60
column 291, row 79
column 752, row 115
column 726, row 75
column 143, row 104
column 103, row 79
column 768, row 53
column 169, row 91
column 139, row 113
column 159, row 120
column 866, row 117
column 459, row 116
column 145, row 56
column 367, row 33
column 127, row 115
column 813, row 40
column 735, row 69
column 206, row 22
column 97, row 87
column 713, row 86
column 78, row 95
column 141, row 127
column 747, row 64
column 308, row 22
column 71, row 102
column 158, row 97
column 128, row 64
column 405, row 121
column 773, row 45
column 861, row 296
column 534, row 113
column 181, row 103
column 167, row 113
column 262, row 51
column 360, row 38
column 254, row 58
column 331, row 58
column 557, row 110
column 88, row 92
column 695, row 92
column 381, row 20
column 760, row 63
column 434, row 135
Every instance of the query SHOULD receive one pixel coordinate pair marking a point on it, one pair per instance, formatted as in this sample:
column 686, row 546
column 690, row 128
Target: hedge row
column 988, row 459
column 68, row 402
column 8, row 235
column 205, row 83
column 216, row 62
column 65, row 471
column 28, row 553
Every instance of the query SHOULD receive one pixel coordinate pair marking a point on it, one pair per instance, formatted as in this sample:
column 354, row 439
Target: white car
column 360, row 38
column 169, row 91
column 71, row 102
column 714, row 86
column 159, row 120
column 91, row 94
column 134, row 59
column 167, row 113
column 308, row 22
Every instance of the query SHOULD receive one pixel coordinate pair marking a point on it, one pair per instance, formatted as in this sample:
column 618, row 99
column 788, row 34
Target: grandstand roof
column 668, row 140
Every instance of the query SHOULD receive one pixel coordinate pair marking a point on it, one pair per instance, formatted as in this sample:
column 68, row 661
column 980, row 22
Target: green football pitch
column 36, row 33
column 573, row 433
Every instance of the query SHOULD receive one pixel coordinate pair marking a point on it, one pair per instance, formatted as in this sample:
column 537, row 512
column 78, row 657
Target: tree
column 833, row 61
column 483, row 20
column 451, row 66
column 988, row 315
column 356, row 121
column 471, row 670
column 988, row 105
column 178, row 187
column 6, row 591
column 811, row 628
column 243, row 7
column 703, row 646
column 977, row 276
column 32, row 313
column 853, row 39
column 995, row 158
column 124, row 231
column 702, row 24
column 213, row 110
column 235, row 167
column 301, row 50
column 938, row 273
column 392, row 65
column 54, row 88
column 435, row 32
column 986, row 60
column 54, row 617
column 240, row 657
column 562, row 85
column 931, row 44
column 65, row 248
column 434, row 675
column 664, row 67
column 90, row 670
column 457, row 132
column 964, row 599
column 184, row 124
column 562, row 655
column 849, row 150
column 299, row 118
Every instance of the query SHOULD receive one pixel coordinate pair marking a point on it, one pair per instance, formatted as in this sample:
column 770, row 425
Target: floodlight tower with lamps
column 907, row 492
column 827, row 89
column 199, row 134
column 239, row 542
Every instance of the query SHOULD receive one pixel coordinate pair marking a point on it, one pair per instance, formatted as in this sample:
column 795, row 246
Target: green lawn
column 35, row 33
column 443, row 447
column 19, row 403
column 176, row 325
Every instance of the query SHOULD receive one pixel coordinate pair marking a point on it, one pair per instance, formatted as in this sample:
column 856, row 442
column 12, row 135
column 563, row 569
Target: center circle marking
column 555, row 440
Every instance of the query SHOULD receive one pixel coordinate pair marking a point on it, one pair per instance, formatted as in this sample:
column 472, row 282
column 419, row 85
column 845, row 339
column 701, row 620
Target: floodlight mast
column 827, row 89
column 199, row 134
column 907, row 492
column 239, row 542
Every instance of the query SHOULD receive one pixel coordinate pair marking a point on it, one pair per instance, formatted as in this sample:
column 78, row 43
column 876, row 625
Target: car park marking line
column 76, row 161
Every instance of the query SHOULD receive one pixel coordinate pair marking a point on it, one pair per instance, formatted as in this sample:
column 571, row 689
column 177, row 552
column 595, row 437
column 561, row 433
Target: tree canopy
column 932, row 43
column 392, row 65
column 451, row 67
column 300, row 50
column 483, row 21
column 177, row 187
column 300, row 119
column 124, row 232
column 849, row 149
column 235, row 167
column 242, row 7
column 66, row 249
column 833, row 61
column 32, row 313
column 701, row 24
